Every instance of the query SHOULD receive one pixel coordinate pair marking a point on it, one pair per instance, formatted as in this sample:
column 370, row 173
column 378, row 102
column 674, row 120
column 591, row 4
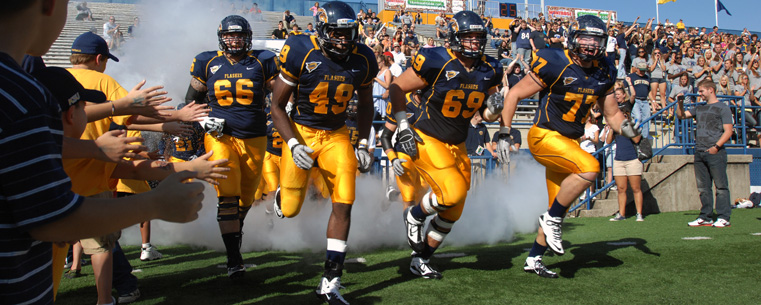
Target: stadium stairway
column 668, row 185
column 58, row 55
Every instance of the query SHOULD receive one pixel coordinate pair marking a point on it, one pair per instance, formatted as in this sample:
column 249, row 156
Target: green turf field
column 605, row 263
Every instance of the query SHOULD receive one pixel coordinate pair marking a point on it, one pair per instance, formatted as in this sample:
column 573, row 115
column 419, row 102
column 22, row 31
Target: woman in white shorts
column 627, row 171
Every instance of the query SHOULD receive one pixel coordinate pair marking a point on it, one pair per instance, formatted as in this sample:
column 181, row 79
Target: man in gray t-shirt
column 713, row 130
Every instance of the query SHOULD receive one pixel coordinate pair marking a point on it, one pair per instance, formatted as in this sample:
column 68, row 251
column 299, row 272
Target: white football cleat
column 552, row 232
column 421, row 267
column 328, row 291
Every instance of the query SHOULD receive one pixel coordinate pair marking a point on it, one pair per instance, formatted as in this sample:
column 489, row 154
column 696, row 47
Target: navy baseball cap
column 65, row 87
column 91, row 43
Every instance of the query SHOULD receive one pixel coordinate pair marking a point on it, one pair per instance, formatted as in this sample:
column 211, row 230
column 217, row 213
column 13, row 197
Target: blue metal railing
column 680, row 135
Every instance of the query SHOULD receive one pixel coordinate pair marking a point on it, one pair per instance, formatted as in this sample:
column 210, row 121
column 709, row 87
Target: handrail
column 684, row 140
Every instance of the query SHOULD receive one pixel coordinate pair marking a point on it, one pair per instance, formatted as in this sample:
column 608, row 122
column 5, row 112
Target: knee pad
column 439, row 228
column 227, row 208
column 430, row 204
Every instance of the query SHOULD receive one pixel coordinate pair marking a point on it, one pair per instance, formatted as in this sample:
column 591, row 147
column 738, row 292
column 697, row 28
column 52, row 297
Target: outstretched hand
column 178, row 199
column 114, row 146
column 146, row 102
column 209, row 171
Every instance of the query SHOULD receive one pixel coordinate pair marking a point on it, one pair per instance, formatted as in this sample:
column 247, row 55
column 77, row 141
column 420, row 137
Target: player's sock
column 146, row 245
column 557, row 209
column 418, row 213
column 232, row 246
column 537, row 249
column 336, row 250
column 428, row 252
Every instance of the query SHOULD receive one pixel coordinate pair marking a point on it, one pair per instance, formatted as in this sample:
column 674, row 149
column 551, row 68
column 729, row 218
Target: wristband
column 292, row 142
column 391, row 155
column 113, row 109
column 401, row 119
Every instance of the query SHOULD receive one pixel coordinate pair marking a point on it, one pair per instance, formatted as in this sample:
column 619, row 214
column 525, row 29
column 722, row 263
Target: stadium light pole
column 716, row 11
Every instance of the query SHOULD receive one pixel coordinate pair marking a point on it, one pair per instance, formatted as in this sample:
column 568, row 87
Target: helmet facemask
column 234, row 24
column 460, row 40
column 339, row 39
column 588, row 47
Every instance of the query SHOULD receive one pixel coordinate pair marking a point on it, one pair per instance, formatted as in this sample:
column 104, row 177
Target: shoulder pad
column 294, row 51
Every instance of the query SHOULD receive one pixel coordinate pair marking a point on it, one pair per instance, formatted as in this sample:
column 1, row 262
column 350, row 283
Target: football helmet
column 334, row 17
column 351, row 109
column 592, row 30
column 234, row 24
column 466, row 22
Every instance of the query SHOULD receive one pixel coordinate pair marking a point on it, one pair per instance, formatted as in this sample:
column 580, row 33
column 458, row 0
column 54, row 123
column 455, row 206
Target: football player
column 235, row 81
column 455, row 84
column 323, row 71
column 271, row 168
column 569, row 83
column 352, row 124
column 412, row 186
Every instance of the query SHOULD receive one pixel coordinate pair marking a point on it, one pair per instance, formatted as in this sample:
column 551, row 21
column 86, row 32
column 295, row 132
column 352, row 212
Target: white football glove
column 396, row 164
column 213, row 126
column 495, row 103
column 300, row 153
column 629, row 129
column 364, row 159
column 504, row 144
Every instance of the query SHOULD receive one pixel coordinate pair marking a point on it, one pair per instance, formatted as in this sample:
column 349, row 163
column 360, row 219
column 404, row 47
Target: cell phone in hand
column 680, row 98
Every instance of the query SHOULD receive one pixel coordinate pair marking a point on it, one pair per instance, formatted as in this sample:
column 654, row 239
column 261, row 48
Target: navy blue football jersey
column 324, row 87
column 413, row 111
column 185, row 148
column 413, row 114
column 452, row 94
column 236, row 91
column 274, row 141
column 570, row 90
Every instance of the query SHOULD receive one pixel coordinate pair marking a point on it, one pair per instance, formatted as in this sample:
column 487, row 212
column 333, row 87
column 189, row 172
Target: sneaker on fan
column 129, row 297
column 149, row 254
column 618, row 217
column 236, row 271
column 328, row 291
column 534, row 264
column 552, row 232
column 421, row 267
column 700, row 222
column 721, row 223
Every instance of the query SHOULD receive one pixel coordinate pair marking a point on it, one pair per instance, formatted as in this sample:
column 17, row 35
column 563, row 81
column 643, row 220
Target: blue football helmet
column 466, row 22
column 332, row 17
column 589, row 27
column 234, row 24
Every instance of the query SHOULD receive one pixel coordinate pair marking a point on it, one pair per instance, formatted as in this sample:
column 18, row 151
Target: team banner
column 427, row 5
column 395, row 3
column 570, row 12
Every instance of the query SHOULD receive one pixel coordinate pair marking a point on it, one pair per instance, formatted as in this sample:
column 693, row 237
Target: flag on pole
column 719, row 7
column 665, row 1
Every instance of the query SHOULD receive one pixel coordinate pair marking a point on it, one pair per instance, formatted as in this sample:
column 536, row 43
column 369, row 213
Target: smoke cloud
column 173, row 32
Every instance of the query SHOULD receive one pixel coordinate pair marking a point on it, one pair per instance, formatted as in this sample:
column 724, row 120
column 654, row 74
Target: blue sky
column 700, row 13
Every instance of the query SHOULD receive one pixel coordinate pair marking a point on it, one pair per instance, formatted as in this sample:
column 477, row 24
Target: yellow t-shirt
column 95, row 80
